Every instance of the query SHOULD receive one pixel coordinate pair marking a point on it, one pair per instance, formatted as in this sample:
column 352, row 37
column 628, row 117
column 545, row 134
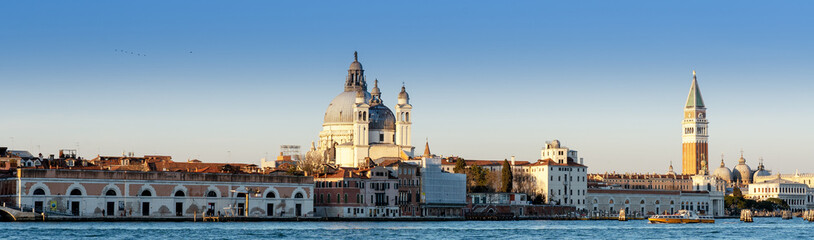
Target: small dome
column 555, row 143
column 723, row 172
column 761, row 171
column 341, row 108
column 403, row 94
column 381, row 118
column 355, row 65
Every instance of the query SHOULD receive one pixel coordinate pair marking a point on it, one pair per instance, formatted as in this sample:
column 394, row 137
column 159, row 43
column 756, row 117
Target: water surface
column 639, row 229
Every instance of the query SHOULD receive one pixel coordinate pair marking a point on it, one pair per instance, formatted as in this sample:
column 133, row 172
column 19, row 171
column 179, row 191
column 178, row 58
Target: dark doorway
column 241, row 207
column 179, row 209
column 270, row 209
column 298, row 209
column 145, row 209
column 38, row 206
column 111, row 209
column 75, row 208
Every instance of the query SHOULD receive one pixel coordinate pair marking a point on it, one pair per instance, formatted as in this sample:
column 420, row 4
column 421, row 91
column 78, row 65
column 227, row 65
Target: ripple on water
column 722, row 229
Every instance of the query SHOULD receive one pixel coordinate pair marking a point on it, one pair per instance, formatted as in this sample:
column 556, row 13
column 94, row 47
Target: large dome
column 341, row 108
column 723, row 172
column 381, row 118
column 742, row 172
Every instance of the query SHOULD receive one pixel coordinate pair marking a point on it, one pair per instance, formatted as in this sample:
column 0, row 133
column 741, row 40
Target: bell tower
column 404, row 122
column 695, row 135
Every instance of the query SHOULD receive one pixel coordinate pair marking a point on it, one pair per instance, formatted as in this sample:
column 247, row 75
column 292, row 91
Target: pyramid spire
column 427, row 149
column 694, row 99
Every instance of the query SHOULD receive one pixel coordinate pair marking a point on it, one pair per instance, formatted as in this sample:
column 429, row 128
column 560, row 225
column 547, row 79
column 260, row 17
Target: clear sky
column 233, row 80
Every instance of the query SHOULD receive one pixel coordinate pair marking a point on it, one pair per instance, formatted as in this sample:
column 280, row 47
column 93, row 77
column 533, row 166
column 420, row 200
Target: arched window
column 39, row 191
column 611, row 201
column 595, row 201
column 672, row 202
column 642, row 201
column 657, row 201
column 627, row 201
column 110, row 192
column 212, row 194
column 299, row 195
column 270, row 195
column 179, row 193
column 241, row 195
column 407, row 116
column 76, row 192
column 146, row 193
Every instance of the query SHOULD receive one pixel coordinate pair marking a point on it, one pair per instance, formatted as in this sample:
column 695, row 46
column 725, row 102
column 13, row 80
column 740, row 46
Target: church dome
column 381, row 118
column 723, row 172
column 355, row 65
column 742, row 172
column 341, row 108
column 761, row 171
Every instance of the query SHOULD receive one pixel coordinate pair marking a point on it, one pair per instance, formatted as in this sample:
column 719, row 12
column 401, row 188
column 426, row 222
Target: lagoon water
column 762, row 228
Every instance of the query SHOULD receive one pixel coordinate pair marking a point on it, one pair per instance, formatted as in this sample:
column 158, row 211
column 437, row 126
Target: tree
column 478, row 177
column 460, row 165
column 312, row 164
column 506, row 180
column 736, row 192
column 538, row 199
column 523, row 182
column 777, row 203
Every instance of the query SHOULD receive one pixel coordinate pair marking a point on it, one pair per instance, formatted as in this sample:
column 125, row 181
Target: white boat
column 682, row 216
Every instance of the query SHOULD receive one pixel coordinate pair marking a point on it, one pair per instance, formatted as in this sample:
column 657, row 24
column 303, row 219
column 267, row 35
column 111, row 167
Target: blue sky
column 231, row 81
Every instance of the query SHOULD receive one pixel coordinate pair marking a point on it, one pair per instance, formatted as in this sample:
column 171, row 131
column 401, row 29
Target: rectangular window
column 381, row 137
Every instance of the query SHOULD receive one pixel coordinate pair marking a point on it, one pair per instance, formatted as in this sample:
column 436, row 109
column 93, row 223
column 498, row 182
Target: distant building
column 640, row 202
column 442, row 194
column 797, row 195
column 409, row 175
column 123, row 194
column 351, row 193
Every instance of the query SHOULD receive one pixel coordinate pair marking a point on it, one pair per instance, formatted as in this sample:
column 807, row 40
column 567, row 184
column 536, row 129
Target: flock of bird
column 129, row 52
column 132, row 53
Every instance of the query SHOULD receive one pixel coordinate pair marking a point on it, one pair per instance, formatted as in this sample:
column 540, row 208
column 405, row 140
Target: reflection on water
column 723, row 228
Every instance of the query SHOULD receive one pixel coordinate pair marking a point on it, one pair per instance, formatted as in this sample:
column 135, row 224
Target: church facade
column 358, row 126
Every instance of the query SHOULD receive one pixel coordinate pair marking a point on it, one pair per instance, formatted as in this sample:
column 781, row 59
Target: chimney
column 512, row 160
column 580, row 161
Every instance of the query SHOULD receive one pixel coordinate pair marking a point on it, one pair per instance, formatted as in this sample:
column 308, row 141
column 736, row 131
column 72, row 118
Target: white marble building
column 357, row 124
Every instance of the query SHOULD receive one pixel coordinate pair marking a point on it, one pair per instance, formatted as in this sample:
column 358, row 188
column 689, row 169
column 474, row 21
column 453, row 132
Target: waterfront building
column 497, row 204
column 643, row 202
column 797, row 195
column 353, row 193
column 409, row 176
column 695, row 135
column 157, row 194
column 557, row 176
column 442, row 194
column 358, row 126
column 804, row 178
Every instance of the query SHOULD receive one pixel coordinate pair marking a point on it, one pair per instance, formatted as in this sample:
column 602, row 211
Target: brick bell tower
column 695, row 136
